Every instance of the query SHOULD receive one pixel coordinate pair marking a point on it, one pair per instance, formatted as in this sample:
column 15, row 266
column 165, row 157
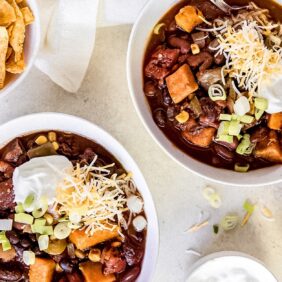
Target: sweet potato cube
column 82, row 241
column 188, row 18
column 92, row 272
column 202, row 137
column 181, row 83
column 7, row 256
column 270, row 148
column 42, row 270
column 275, row 121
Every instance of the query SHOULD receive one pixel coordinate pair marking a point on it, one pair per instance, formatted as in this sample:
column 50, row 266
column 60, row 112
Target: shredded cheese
column 98, row 198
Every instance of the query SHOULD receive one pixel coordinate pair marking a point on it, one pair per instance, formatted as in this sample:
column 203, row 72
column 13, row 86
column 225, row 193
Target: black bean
column 66, row 266
column 37, row 251
column 25, row 243
column 13, row 237
column 32, row 237
column 160, row 117
column 166, row 98
column 171, row 112
column 131, row 274
column 180, row 43
column 150, row 89
column 9, row 274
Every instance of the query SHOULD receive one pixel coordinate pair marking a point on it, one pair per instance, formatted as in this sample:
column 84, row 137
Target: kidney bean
column 180, row 43
column 25, row 243
column 259, row 135
column 224, row 152
column 202, row 60
column 9, row 274
column 131, row 274
column 172, row 26
column 150, row 89
column 66, row 266
column 160, row 117
column 74, row 277
column 13, row 237
column 231, row 146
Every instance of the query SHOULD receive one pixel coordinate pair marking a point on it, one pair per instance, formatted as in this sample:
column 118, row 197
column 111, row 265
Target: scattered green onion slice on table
column 248, row 207
column 217, row 92
column 229, row 222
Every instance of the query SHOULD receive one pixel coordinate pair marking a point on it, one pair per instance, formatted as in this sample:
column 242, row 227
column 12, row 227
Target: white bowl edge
column 144, row 24
column 58, row 121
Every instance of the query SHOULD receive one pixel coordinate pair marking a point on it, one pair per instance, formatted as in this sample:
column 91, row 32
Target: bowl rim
column 174, row 154
column 222, row 254
column 37, row 26
column 61, row 121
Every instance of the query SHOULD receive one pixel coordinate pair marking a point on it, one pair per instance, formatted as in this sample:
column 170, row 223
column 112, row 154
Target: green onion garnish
column 223, row 128
column 217, row 92
column 225, row 117
column 225, row 138
column 43, row 242
column 234, row 128
column 261, row 103
column 19, row 208
column 246, row 119
column 23, row 218
column 245, row 147
column 241, row 168
column 28, row 201
column 258, row 114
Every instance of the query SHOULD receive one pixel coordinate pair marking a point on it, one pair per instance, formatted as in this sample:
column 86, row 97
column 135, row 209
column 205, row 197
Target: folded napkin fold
column 68, row 35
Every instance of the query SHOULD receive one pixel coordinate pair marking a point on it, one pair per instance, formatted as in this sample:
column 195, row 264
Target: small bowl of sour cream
column 231, row 267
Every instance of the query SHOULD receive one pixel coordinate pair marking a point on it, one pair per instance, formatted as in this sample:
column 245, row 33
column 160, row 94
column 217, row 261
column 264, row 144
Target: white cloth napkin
column 68, row 35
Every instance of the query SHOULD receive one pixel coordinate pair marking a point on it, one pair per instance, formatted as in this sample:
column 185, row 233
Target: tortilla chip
column 4, row 41
column 7, row 13
column 10, row 29
column 9, row 52
column 27, row 15
column 19, row 1
column 13, row 66
column 18, row 33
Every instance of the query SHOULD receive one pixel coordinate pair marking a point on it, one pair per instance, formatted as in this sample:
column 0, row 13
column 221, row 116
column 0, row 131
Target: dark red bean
column 150, row 89
column 171, row 112
column 179, row 43
column 223, row 152
column 66, row 266
column 13, row 237
column 131, row 274
column 7, row 274
column 160, row 117
column 172, row 26
column 25, row 243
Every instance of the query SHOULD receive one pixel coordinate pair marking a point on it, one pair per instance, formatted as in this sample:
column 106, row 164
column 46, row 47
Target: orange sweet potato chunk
column 181, row 83
column 188, row 18
column 202, row 138
column 92, row 272
column 275, row 121
column 42, row 270
column 82, row 241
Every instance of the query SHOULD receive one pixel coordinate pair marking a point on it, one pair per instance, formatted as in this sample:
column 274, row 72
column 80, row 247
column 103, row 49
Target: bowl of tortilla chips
column 19, row 41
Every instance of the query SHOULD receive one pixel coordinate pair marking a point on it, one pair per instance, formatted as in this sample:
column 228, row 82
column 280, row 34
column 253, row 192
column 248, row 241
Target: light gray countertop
column 104, row 99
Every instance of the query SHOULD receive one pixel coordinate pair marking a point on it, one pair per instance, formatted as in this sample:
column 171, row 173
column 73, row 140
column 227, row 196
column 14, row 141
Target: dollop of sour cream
column 271, row 90
column 231, row 269
column 40, row 177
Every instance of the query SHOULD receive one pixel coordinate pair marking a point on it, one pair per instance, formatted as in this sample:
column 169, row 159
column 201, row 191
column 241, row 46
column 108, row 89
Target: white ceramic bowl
column 55, row 121
column 141, row 31
column 31, row 47
column 227, row 259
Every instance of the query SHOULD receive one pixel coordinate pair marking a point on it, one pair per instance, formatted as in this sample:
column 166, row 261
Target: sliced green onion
column 41, row 209
column 217, row 92
column 44, row 230
column 43, row 242
column 225, row 138
column 241, row 168
column 6, row 224
column 24, row 218
column 29, row 257
column 245, row 147
column 261, row 103
column 195, row 106
column 248, row 207
column 258, row 114
column 3, row 238
column 234, row 128
column 246, row 119
column 223, row 128
column 229, row 222
column 62, row 230
column 239, row 137
column 225, row 117
column 28, row 201
column 19, row 208
column 234, row 117
column 6, row 246
column 40, row 221
column 158, row 27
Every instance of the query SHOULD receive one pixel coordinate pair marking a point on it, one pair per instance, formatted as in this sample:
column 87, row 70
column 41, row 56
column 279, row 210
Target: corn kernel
column 195, row 49
column 40, row 140
column 52, row 136
column 95, row 255
column 182, row 117
column 80, row 254
column 55, row 145
column 116, row 244
column 49, row 218
column 58, row 268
